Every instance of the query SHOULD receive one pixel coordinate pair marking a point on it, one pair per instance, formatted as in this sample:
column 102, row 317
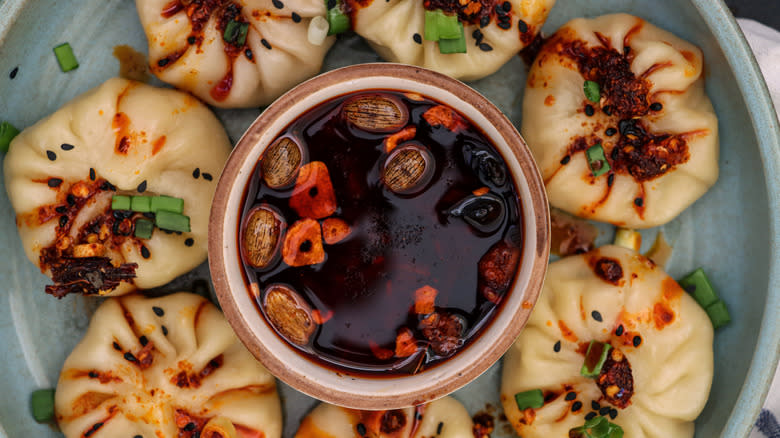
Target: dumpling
column 657, row 376
column 646, row 107
column 494, row 30
column 164, row 367
column 233, row 54
column 444, row 418
column 122, row 138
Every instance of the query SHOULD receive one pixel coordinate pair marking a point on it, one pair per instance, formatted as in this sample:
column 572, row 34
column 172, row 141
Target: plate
column 732, row 231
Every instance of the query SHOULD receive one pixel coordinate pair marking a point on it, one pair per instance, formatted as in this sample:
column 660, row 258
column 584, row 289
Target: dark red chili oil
column 398, row 243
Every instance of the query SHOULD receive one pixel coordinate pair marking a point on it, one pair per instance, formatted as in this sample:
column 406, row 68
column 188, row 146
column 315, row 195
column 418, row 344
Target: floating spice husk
column 486, row 213
column 408, row 169
column 281, row 162
column 261, row 234
column 289, row 314
column 376, row 113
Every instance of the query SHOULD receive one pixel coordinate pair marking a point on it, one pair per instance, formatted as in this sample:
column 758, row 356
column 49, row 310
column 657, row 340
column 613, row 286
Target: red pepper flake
column 405, row 344
column 401, row 136
column 379, row 352
column 321, row 318
column 424, row 300
column 313, row 195
column 441, row 115
column 334, row 230
column 303, row 244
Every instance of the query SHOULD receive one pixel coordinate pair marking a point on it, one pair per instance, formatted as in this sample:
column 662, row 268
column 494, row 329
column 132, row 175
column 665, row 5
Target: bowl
column 351, row 389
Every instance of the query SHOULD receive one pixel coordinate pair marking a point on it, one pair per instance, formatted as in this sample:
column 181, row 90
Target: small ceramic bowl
column 339, row 387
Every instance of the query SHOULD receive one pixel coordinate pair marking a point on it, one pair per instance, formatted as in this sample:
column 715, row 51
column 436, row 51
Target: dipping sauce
column 380, row 233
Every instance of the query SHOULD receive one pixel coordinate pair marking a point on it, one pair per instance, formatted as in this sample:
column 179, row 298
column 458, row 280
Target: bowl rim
column 536, row 207
column 724, row 27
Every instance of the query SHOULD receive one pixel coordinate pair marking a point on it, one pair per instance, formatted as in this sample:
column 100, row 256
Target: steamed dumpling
column 122, row 137
column 661, row 339
column 444, row 418
column 656, row 125
column 395, row 29
column 190, row 48
column 164, row 367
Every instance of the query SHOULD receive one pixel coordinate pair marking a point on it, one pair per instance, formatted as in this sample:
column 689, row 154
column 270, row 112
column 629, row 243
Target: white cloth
column 765, row 43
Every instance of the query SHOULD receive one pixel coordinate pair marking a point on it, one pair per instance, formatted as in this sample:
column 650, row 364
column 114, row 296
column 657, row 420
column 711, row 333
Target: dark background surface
column 765, row 11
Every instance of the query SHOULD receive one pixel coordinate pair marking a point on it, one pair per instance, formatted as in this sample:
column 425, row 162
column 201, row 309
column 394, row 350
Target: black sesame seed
column 207, row 176
column 192, row 40
column 589, row 111
column 158, row 311
column 296, row 18
column 506, row 6
column 145, row 252
column 138, row 436
column 107, row 186
column 163, row 62
column 610, row 132
column 637, row 341
column 504, row 25
column 143, row 340
column 417, row 38
column 604, row 411
column 522, row 26
column 14, row 72
column 141, row 187
column 248, row 54
column 67, row 146
column 610, row 179
column 51, row 155
column 595, row 405
column 331, row 4
column 590, row 416
column 439, row 427
column 189, row 241
column 627, row 50
column 165, row 330
column 557, row 347
column 70, row 199
column 613, row 413
column 576, row 406
column 54, row 182
column 61, row 209
column 639, row 202
column 418, row 416
column 596, row 315
column 571, row 396
column 265, row 43
column 189, row 426
column 499, row 9
column 63, row 221
column 619, row 331
column 485, row 47
column 93, row 429
column 565, row 160
column 278, row 4
column 505, row 18
column 656, row 106
column 196, row 173
column 361, row 429
column 607, row 110
column 93, row 374
column 130, row 358
column 92, row 174
column 484, row 21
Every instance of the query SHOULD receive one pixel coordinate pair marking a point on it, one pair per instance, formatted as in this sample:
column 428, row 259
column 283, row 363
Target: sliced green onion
column 592, row 91
column 597, row 160
column 7, row 133
column 338, row 21
column 595, row 357
column 143, row 229
column 718, row 313
column 42, row 404
column 529, row 399
column 449, row 27
column 167, row 203
column 120, row 202
column 597, row 427
column 447, row 46
column 141, row 204
column 628, row 238
column 235, row 32
column 172, row 221
column 65, row 57
column 431, row 26
column 698, row 285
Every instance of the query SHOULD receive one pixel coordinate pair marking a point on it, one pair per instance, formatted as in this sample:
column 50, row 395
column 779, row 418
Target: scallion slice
column 42, row 404
column 141, row 204
column 529, row 399
column 440, row 26
column 447, row 46
column 592, row 91
column 698, row 285
column 338, row 21
column 65, row 57
column 7, row 133
column 718, row 313
column 167, row 203
column 235, row 32
column 143, row 229
column 597, row 161
column 595, row 357
column 120, row 202
column 431, row 26
column 172, row 221
column 597, row 427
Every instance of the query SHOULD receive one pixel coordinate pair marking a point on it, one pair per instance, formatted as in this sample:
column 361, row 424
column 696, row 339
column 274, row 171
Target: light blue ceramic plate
column 732, row 231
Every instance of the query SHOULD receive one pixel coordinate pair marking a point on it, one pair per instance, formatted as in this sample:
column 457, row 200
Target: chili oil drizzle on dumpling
column 164, row 367
column 495, row 31
column 657, row 376
column 125, row 138
column 651, row 116
column 233, row 53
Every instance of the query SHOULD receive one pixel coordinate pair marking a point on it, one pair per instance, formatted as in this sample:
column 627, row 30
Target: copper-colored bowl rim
column 520, row 312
